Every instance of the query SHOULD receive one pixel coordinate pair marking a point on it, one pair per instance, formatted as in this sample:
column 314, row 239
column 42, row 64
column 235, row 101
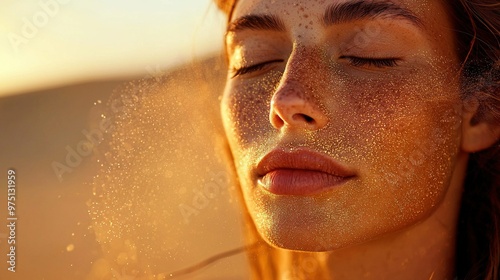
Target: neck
column 423, row 251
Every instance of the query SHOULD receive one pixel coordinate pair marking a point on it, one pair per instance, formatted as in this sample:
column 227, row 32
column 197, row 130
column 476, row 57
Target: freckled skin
column 399, row 127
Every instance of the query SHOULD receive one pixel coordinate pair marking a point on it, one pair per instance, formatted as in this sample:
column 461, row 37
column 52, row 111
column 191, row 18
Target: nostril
column 303, row 117
column 309, row 119
column 277, row 121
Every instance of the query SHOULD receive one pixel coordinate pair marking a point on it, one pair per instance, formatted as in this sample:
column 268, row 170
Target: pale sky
column 45, row 43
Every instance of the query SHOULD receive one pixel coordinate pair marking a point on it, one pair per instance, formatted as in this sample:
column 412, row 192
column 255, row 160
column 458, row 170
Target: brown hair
column 477, row 25
column 478, row 241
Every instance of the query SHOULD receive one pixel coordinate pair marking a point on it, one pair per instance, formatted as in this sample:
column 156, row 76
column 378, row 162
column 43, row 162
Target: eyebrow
column 359, row 10
column 257, row 22
column 334, row 14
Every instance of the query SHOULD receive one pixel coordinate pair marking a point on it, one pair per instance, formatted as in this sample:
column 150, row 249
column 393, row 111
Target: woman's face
column 343, row 117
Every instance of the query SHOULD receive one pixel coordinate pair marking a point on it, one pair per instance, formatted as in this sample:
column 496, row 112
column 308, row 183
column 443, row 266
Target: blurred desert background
column 109, row 116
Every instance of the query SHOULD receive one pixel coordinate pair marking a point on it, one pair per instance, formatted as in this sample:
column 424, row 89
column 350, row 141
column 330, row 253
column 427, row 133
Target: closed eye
column 376, row 62
column 252, row 68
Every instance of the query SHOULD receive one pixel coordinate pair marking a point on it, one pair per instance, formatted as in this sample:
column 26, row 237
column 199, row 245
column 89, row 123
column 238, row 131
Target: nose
column 296, row 101
column 294, row 110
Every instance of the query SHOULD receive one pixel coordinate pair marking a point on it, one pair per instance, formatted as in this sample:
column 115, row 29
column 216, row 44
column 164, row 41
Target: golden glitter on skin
column 399, row 127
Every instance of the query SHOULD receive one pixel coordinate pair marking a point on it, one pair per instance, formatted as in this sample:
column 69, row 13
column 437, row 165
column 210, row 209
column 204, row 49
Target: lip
column 300, row 172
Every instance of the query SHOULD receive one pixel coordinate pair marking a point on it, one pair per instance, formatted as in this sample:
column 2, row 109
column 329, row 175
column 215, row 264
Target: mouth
column 301, row 172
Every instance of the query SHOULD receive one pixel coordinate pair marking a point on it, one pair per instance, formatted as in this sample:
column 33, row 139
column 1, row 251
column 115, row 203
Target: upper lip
column 303, row 159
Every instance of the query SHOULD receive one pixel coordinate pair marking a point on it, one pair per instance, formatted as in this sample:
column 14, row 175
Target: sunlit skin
column 378, row 94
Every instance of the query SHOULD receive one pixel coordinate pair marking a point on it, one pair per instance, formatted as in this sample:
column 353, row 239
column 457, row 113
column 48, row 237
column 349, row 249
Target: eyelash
column 253, row 68
column 376, row 62
column 354, row 60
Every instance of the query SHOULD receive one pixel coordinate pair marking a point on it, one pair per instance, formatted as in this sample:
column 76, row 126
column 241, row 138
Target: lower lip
column 299, row 182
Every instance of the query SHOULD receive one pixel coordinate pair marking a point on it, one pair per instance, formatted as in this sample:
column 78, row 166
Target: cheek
column 245, row 109
column 408, row 142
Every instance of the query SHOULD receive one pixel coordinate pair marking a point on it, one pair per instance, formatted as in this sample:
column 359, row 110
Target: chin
column 306, row 225
column 319, row 238
column 306, row 241
column 311, row 231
